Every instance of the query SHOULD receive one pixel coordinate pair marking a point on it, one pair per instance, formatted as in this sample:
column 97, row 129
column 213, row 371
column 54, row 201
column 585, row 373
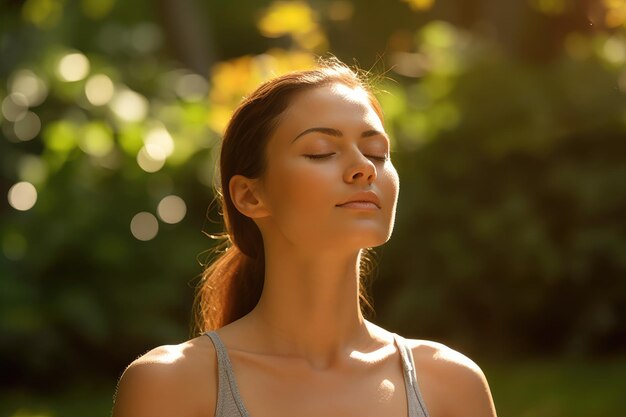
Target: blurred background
column 508, row 121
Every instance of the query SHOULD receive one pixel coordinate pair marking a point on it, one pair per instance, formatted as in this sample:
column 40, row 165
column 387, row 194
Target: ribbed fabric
column 229, row 403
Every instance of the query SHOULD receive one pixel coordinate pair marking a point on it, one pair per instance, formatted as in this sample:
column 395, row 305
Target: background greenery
column 508, row 122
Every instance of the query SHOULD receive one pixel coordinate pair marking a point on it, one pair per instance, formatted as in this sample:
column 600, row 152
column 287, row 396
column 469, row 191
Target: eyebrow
column 337, row 133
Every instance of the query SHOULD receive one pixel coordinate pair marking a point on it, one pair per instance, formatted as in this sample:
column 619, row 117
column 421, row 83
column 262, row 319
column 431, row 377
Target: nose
column 361, row 169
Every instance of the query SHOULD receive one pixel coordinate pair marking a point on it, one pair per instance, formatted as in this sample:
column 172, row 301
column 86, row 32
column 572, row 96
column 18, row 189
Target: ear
column 246, row 197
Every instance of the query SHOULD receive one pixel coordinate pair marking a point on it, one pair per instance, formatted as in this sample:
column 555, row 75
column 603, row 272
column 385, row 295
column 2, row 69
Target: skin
column 306, row 349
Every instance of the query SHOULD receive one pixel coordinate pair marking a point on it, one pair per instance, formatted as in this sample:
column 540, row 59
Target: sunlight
column 386, row 390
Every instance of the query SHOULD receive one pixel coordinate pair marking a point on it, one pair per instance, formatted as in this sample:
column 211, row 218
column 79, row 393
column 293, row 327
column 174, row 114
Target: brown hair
column 231, row 285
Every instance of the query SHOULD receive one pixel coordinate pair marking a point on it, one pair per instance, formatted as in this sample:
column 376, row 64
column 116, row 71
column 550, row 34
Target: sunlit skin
column 306, row 349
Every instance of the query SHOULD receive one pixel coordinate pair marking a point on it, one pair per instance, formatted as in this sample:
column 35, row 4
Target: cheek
column 391, row 182
column 300, row 188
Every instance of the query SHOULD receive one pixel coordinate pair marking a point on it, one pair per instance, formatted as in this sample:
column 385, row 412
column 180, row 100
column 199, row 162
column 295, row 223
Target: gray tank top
column 229, row 403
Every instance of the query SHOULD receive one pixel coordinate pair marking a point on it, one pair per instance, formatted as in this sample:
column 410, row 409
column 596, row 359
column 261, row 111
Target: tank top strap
column 229, row 403
column 417, row 407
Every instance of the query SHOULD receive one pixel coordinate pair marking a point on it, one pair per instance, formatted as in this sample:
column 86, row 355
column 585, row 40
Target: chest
column 277, row 390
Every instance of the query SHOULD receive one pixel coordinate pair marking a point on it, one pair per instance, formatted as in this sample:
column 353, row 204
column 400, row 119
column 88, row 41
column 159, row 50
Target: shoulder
column 452, row 384
column 169, row 380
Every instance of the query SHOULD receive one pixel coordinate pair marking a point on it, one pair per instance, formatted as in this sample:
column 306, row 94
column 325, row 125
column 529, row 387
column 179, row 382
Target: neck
column 310, row 306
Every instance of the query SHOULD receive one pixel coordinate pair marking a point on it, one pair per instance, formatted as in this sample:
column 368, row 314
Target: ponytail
column 230, row 287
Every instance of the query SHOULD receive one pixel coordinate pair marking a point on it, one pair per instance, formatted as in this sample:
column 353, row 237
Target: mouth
column 364, row 200
column 360, row 205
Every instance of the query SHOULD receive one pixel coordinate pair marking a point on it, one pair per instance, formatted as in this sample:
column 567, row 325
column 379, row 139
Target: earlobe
column 245, row 197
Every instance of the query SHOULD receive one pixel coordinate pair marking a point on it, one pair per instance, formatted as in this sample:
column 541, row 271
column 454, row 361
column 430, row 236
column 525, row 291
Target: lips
column 362, row 200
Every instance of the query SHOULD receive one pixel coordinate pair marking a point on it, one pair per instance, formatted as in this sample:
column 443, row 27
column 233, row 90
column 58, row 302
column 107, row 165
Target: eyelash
column 376, row 158
column 321, row 156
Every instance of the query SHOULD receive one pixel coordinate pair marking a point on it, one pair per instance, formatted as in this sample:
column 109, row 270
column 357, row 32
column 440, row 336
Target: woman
column 307, row 185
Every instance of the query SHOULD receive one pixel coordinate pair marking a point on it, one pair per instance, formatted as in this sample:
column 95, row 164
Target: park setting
column 507, row 122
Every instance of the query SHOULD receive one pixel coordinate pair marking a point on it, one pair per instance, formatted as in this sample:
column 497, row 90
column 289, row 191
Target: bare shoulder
column 452, row 384
column 169, row 380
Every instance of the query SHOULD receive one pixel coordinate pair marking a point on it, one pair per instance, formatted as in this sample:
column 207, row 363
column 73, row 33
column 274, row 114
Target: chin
column 366, row 239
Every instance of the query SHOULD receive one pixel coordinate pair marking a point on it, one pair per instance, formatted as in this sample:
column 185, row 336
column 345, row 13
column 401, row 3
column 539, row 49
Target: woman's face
column 329, row 148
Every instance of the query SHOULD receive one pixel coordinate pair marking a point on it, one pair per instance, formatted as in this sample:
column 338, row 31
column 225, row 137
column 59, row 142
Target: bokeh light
column 73, row 67
column 151, row 158
column 27, row 127
column 144, row 226
column 14, row 107
column 129, row 106
column 614, row 50
column 22, row 196
column 192, row 87
column 158, row 137
column 33, row 169
column 97, row 139
column 99, row 89
column 172, row 209
column 28, row 84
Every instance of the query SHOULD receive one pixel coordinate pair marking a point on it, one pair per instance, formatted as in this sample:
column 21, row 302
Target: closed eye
column 320, row 156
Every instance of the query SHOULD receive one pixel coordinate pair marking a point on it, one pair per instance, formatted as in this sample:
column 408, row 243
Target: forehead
column 336, row 106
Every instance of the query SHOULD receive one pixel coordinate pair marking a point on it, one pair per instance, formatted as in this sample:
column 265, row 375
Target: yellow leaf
column 232, row 80
column 420, row 4
column 615, row 13
column 287, row 18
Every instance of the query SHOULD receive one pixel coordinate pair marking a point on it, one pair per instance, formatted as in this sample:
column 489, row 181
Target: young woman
column 307, row 186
